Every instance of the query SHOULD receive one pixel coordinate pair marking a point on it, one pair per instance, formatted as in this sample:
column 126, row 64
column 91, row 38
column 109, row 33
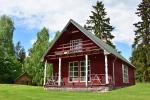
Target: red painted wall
column 97, row 61
column 119, row 75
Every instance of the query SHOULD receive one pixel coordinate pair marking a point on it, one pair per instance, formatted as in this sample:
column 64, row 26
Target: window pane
column 82, row 73
column 88, row 67
column 82, row 79
column 75, row 68
column 88, row 72
column 89, row 63
column 82, row 63
column 71, row 73
column 82, row 68
column 75, row 73
column 75, row 63
column 75, row 79
column 71, row 64
column 71, row 68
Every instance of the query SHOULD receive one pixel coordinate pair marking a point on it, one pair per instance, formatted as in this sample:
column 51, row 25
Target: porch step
column 95, row 88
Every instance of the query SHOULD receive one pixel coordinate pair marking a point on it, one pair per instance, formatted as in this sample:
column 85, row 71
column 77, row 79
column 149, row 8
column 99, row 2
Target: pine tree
column 99, row 24
column 20, row 54
column 32, row 63
column 141, row 47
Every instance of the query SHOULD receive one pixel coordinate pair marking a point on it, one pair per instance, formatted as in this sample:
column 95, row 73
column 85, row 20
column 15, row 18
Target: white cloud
column 51, row 13
column 123, row 18
column 54, row 14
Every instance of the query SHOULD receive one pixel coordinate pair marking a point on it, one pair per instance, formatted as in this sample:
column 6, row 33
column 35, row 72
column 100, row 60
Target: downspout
column 114, row 71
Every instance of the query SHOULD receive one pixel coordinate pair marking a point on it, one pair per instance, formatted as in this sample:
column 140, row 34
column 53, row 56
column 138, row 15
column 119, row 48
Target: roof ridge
column 103, row 45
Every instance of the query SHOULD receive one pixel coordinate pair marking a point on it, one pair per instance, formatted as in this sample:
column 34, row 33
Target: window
column 73, row 71
column 76, row 45
column 125, row 73
column 83, row 71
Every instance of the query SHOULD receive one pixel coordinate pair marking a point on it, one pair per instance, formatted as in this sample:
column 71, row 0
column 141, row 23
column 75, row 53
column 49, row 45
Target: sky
column 30, row 16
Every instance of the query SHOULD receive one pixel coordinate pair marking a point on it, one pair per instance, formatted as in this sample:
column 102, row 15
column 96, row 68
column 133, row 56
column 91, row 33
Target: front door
column 77, row 71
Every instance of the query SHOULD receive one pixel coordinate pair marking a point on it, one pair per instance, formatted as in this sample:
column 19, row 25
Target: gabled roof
column 95, row 39
column 25, row 73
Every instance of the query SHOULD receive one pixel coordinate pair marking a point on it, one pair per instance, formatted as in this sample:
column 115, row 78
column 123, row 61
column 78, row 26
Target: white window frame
column 125, row 73
column 89, row 71
column 76, row 45
column 73, row 72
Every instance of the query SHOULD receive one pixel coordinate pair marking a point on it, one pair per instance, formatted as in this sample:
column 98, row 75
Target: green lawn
column 19, row 92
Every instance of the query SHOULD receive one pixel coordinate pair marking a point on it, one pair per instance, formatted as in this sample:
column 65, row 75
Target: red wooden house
column 80, row 59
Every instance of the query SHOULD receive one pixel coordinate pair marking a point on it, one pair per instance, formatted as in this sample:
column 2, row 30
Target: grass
column 141, row 91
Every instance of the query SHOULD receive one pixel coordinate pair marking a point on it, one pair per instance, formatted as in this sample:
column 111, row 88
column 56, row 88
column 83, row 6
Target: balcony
column 76, row 48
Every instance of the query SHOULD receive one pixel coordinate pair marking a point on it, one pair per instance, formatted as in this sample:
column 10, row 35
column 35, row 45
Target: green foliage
column 20, row 55
column 33, row 66
column 20, row 52
column 6, row 35
column 141, row 47
column 99, row 24
column 10, row 68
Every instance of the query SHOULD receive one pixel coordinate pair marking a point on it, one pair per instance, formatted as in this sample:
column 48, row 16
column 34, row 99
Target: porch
column 95, row 81
column 78, row 64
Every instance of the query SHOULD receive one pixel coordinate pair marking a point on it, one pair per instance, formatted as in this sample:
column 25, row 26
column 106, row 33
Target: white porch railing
column 95, row 80
column 99, row 79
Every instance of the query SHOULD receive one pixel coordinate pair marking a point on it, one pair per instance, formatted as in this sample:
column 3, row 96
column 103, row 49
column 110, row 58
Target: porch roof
column 95, row 39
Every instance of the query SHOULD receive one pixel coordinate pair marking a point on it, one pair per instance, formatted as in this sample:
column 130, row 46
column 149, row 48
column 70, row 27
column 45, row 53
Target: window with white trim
column 73, row 71
column 125, row 73
column 83, row 71
column 76, row 45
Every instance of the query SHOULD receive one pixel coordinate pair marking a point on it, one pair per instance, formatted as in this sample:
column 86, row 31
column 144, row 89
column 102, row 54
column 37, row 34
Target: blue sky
column 31, row 15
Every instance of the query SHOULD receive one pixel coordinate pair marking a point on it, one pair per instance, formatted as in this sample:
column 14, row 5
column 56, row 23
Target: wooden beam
column 106, row 67
column 86, row 69
column 59, row 73
column 45, row 73
column 69, row 43
column 76, row 31
column 90, row 52
column 68, row 46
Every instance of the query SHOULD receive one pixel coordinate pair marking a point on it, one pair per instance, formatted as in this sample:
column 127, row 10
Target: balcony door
column 77, row 71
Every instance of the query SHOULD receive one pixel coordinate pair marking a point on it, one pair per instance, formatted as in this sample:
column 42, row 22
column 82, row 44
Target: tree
column 20, row 54
column 141, row 47
column 99, row 24
column 6, row 35
column 32, row 63
column 9, row 66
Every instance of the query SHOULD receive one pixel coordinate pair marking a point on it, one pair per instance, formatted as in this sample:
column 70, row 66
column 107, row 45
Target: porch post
column 45, row 72
column 59, row 73
column 106, row 67
column 86, row 69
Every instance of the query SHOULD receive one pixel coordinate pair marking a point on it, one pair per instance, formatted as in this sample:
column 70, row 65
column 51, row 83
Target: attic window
column 76, row 45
